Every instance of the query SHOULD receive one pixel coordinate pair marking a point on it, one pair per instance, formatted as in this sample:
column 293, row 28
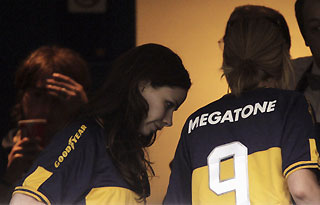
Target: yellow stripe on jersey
column 313, row 163
column 266, row 182
column 26, row 193
column 36, row 179
column 313, row 150
column 300, row 165
column 111, row 195
column 33, row 182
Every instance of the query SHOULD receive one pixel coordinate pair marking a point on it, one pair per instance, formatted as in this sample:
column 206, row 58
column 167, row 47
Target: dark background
column 26, row 25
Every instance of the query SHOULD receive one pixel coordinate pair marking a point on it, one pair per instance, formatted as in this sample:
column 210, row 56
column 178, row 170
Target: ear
column 142, row 85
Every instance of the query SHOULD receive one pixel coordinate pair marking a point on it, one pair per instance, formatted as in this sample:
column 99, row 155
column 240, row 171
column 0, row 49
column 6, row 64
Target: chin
column 146, row 131
column 148, row 140
column 147, row 134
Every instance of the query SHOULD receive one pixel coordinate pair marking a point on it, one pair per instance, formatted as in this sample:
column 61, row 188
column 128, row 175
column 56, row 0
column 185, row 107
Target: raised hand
column 23, row 153
column 66, row 88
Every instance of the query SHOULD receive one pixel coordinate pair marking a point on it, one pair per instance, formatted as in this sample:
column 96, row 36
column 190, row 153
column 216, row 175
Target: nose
column 168, row 119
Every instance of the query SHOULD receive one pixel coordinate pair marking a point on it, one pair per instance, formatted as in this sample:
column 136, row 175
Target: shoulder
column 286, row 99
column 301, row 65
column 292, row 106
column 71, row 143
column 78, row 129
column 283, row 94
column 71, row 159
column 302, row 62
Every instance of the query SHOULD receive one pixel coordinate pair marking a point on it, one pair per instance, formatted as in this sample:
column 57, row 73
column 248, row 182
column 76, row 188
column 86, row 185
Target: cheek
column 315, row 50
column 24, row 104
column 145, row 127
column 34, row 107
column 156, row 112
column 313, row 39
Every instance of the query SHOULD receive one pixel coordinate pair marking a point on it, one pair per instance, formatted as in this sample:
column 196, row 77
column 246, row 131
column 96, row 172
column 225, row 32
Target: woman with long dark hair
column 101, row 157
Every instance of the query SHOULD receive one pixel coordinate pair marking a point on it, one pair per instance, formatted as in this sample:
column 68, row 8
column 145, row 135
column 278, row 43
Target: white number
column 240, row 182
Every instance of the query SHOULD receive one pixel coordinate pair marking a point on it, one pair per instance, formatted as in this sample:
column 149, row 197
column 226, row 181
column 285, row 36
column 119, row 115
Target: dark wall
column 26, row 25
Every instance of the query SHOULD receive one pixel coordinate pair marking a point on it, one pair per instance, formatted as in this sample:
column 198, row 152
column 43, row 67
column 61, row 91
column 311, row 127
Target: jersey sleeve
column 179, row 188
column 300, row 140
column 64, row 170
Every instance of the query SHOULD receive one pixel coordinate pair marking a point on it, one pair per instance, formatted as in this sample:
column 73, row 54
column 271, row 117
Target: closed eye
column 169, row 105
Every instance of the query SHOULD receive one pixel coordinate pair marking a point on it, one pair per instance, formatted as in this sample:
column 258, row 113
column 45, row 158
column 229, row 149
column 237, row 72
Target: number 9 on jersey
column 240, row 182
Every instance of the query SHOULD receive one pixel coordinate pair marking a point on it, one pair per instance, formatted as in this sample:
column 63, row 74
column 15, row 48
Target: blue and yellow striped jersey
column 76, row 168
column 239, row 150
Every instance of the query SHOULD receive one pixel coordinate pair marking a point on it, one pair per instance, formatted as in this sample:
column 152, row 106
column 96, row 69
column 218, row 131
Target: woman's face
column 162, row 101
column 38, row 103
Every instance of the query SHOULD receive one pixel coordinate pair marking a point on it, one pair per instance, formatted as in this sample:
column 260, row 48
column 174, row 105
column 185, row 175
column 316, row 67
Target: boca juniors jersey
column 75, row 168
column 240, row 150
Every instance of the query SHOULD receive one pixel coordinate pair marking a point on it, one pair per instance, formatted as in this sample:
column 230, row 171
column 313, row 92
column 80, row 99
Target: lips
column 158, row 127
column 155, row 127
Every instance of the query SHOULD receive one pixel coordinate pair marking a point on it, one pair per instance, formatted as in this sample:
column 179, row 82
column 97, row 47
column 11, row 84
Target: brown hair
column 42, row 63
column 256, row 49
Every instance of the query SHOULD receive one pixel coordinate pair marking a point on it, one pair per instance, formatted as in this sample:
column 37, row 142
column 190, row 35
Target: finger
column 60, row 90
column 64, row 78
column 17, row 156
column 63, row 96
column 30, row 140
column 66, row 89
column 16, row 149
column 27, row 151
column 65, row 85
column 26, row 155
column 22, row 141
column 54, row 93
column 26, row 143
column 18, row 152
column 27, row 147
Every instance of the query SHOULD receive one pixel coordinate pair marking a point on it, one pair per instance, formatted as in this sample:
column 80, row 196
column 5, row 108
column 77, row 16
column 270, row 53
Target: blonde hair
column 256, row 49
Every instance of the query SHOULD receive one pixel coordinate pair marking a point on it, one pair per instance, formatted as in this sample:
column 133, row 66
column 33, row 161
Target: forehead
column 175, row 94
column 311, row 10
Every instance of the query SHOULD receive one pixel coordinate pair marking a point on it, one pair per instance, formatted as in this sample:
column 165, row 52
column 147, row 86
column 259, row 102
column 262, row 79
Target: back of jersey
column 239, row 150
